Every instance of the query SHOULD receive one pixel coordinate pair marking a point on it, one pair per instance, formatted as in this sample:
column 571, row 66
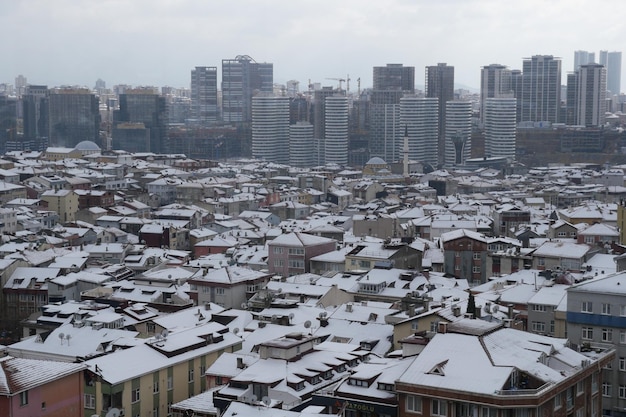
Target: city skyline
column 159, row 42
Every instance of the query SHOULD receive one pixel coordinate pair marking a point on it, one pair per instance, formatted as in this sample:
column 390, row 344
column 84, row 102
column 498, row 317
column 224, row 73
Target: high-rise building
column 73, row 117
column 586, row 90
column 204, row 95
column 500, row 127
column 270, row 128
column 440, row 84
column 604, row 58
column 242, row 78
column 301, row 145
column 391, row 83
column 35, row 111
column 336, row 111
column 142, row 106
column 419, row 119
column 614, row 73
column 458, row 132
column 495, row 81
column 541, row 89
column 583, row 58
column 20, row 85
column 394, row 77
column 8, row 120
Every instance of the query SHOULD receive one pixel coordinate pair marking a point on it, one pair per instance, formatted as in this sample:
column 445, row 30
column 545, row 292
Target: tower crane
column 337, row 79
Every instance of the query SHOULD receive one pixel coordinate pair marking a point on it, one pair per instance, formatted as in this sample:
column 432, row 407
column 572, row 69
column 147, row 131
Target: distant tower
column 35, row 112
column 204, row 95
column 141, row 107
column 458, row 132
column 336, row 130
column 420, row 116
column 242, row 78
column 74, row 117
column 391, row 83
column 20, row 85
column 495, row 81
column 500, row 127
column 586, row 90
column 270, row 128
column 440, row 84
column 614, row 73
column 541, row 89
column 301, row 145
column 583, row 58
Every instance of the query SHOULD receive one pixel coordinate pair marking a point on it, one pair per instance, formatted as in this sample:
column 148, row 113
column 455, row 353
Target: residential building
column 40, row 388
column 64, row 202
column 394, row 77
column 583, row 58
column 229, row 287
column 614, row 72
column 147, row 378
column 465, row 254
column 301, row 145
column 475, row 368
column 587, row 89
column 596, row 318
column 290, row 254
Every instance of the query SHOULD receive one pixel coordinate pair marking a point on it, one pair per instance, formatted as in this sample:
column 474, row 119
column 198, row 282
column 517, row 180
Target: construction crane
column 337, row 79
column 348, row 84
column 358, row 83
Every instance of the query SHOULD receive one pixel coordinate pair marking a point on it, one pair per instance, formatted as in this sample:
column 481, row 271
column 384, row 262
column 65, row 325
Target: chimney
column 443, row 327
column 510, row 311
column 240, row 364
column 349, row 307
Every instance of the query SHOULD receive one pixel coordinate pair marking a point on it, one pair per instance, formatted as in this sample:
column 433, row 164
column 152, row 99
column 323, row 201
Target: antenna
column 68, row 337
column 61, row 336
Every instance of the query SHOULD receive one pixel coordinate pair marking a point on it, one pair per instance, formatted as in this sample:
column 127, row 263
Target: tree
column 471, row 306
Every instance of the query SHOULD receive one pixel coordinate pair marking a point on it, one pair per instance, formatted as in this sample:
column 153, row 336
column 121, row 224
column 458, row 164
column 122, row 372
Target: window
column 622, row 311
column 279, row 263
column 155, row 387
column 558, row 400
column 476, row 256
column 580, row 387
column 587, row 307
column 622, row 336
column 190, row 379
column 541, row 261
column 622, row 364
column 170, row 383
column 539, row 307
column 594, row 382
column 606, row 308
column 476, row 269
column 622, row 391
column 296, row 251
column 538, row 326
column 219, row 291
column 587, row 333
column 606, row 389
column 277, row 249
column 23, row 398
column 414, row 403
column 134, row 395
column 155, row 412
column 90, row 401
column 439, row 408
column 607, row 335
column 296, row 263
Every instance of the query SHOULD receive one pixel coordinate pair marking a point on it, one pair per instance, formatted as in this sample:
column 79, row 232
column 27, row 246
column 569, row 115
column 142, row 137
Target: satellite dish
column 114, row 412
column 244, row 306
column 164, row 334
column 236, row 330
column 254, row 399
column 307, row 324
column 291, row 316
column 266, row 400
column 274, row 317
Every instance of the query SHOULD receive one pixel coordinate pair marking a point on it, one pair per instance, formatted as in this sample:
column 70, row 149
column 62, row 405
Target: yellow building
column 145, row 380
column 64, row 202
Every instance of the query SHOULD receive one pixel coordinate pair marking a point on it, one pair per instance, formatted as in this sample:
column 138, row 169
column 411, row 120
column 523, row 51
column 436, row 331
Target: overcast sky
column 158, row 42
